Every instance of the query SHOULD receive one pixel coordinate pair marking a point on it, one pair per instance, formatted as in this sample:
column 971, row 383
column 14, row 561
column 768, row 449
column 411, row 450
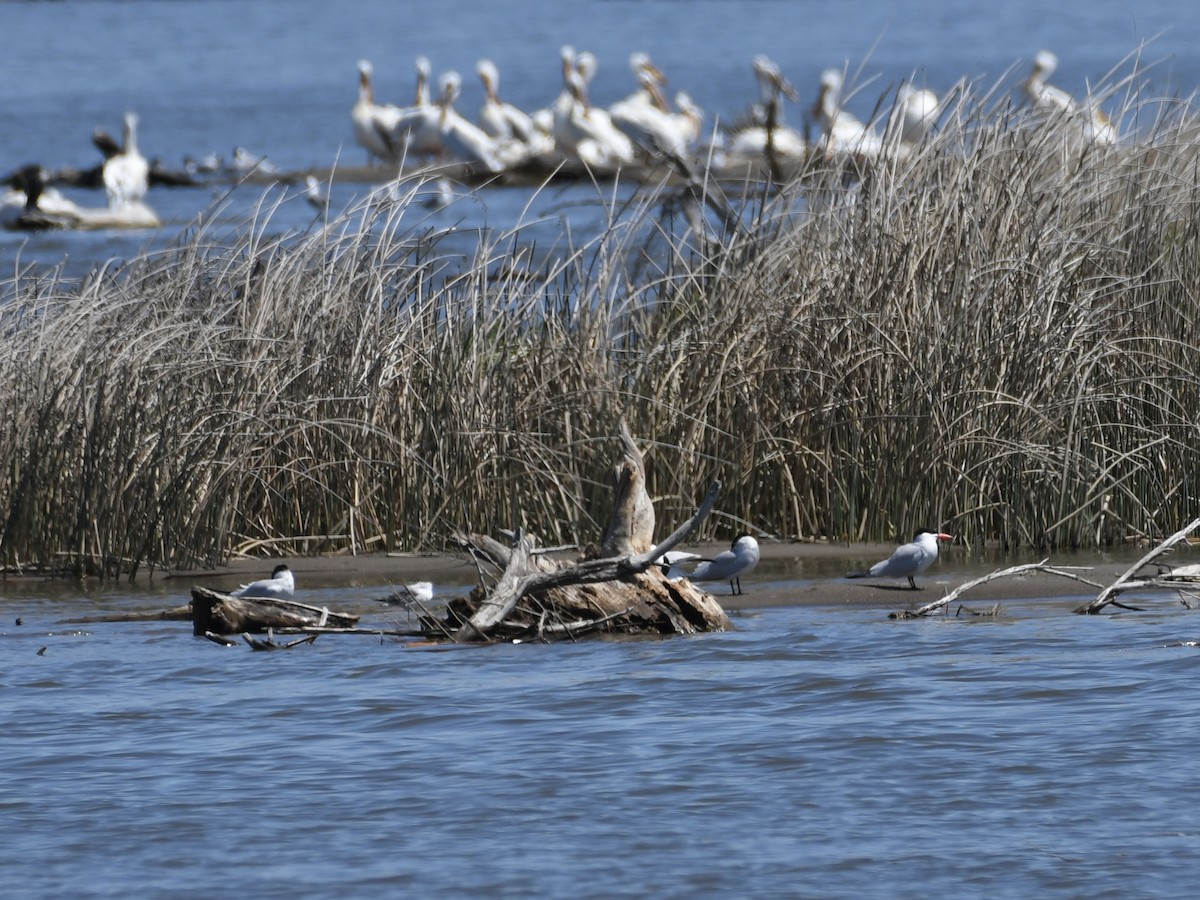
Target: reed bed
column 995, row 334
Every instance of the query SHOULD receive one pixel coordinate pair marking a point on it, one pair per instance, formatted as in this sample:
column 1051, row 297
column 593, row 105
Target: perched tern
column 909, row 559
column 280, row 586
column 738, row 560
column 419, row 591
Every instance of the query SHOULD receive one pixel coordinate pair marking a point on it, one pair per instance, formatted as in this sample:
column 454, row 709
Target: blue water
column 815, row 751
column 278, row 76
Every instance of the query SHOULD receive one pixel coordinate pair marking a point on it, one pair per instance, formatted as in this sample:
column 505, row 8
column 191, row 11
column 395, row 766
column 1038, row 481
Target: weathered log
column 220, row 614
column 631, row 527
column 624, row 591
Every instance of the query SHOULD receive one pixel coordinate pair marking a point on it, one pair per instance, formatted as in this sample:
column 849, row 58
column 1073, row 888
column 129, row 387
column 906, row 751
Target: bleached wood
column 1125, row 582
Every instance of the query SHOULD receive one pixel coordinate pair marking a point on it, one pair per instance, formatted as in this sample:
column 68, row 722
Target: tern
column 418, row 591
column 738, row 560
column 909, row 559
column 280, row 586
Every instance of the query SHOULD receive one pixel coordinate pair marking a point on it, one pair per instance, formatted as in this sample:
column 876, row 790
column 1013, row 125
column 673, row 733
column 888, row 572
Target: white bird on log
column 740, row 559
column 280, row 586
column 909, row 559
column 126, row 173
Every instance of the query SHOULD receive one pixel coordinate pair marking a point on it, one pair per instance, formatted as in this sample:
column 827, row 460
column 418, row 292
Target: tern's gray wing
column 905, row 561
column 718, row 568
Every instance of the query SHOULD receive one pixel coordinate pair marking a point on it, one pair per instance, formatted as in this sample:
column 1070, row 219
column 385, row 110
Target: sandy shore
column 788, row 574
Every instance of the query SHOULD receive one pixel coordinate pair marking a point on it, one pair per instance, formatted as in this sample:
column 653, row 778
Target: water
column 815, row 751
column 279, row 77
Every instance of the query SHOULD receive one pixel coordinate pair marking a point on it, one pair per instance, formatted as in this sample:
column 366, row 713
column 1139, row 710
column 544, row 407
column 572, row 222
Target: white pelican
column 280, row 586
column 909, row 559
column 418, row 129
column 499, row 119
column 751, row 139
column 841, row 132
column 126, row 173
column 914, row 115
column 463, row 140
column 738, row 560
column 645, row 116
column 587, row 131
column 1050, row 102
column 373, row 122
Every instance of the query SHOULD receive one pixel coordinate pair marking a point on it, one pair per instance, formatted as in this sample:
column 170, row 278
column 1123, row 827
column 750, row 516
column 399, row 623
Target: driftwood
column 1129, row 581
column 622, row 591
column 929, row 608
column 220, row 614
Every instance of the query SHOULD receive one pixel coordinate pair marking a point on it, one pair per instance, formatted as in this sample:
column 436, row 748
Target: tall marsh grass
column 996, row 334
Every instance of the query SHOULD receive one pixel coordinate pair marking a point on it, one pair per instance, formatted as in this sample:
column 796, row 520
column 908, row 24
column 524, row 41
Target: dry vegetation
column 992, row 335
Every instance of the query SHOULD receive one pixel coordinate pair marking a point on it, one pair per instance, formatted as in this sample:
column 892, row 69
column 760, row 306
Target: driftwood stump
column 217, row 613
column 622, row 591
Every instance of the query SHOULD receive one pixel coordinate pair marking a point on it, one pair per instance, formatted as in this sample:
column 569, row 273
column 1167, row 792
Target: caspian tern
column 738, row 560
column 280, row 586
column 909, row 559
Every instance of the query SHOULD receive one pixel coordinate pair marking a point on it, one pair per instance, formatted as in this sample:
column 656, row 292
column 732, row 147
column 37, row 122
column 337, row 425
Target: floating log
column 623, row 591
column 220, row 614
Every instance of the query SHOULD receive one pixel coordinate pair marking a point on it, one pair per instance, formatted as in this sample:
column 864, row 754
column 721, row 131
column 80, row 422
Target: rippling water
column 814, row 751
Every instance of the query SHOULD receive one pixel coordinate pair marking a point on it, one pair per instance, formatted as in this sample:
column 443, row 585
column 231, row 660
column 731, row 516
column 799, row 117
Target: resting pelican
column 841, row 132
column 419, row 126
column 588, row 132
column 1051, row 102
column 645, row 116
column 280, row 586
column 499, row 119
column 463, row 140
column 751, row 140
column 919, row 109
column 373, row 122
column 126, row 173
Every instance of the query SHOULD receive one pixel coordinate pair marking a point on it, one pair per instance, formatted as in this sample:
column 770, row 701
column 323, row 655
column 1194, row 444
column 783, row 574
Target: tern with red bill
column 909, row 560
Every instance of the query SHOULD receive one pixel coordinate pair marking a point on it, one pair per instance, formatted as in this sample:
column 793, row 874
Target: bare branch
column 1125, row 582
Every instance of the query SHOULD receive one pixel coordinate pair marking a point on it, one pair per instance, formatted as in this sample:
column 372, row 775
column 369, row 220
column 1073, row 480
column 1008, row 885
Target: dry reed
column 996, row 334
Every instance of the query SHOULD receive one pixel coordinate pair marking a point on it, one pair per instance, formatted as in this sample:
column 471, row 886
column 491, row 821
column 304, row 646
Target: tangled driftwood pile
column 524, row 594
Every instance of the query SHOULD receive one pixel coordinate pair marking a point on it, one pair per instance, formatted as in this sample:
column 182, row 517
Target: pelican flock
column 644, row 128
